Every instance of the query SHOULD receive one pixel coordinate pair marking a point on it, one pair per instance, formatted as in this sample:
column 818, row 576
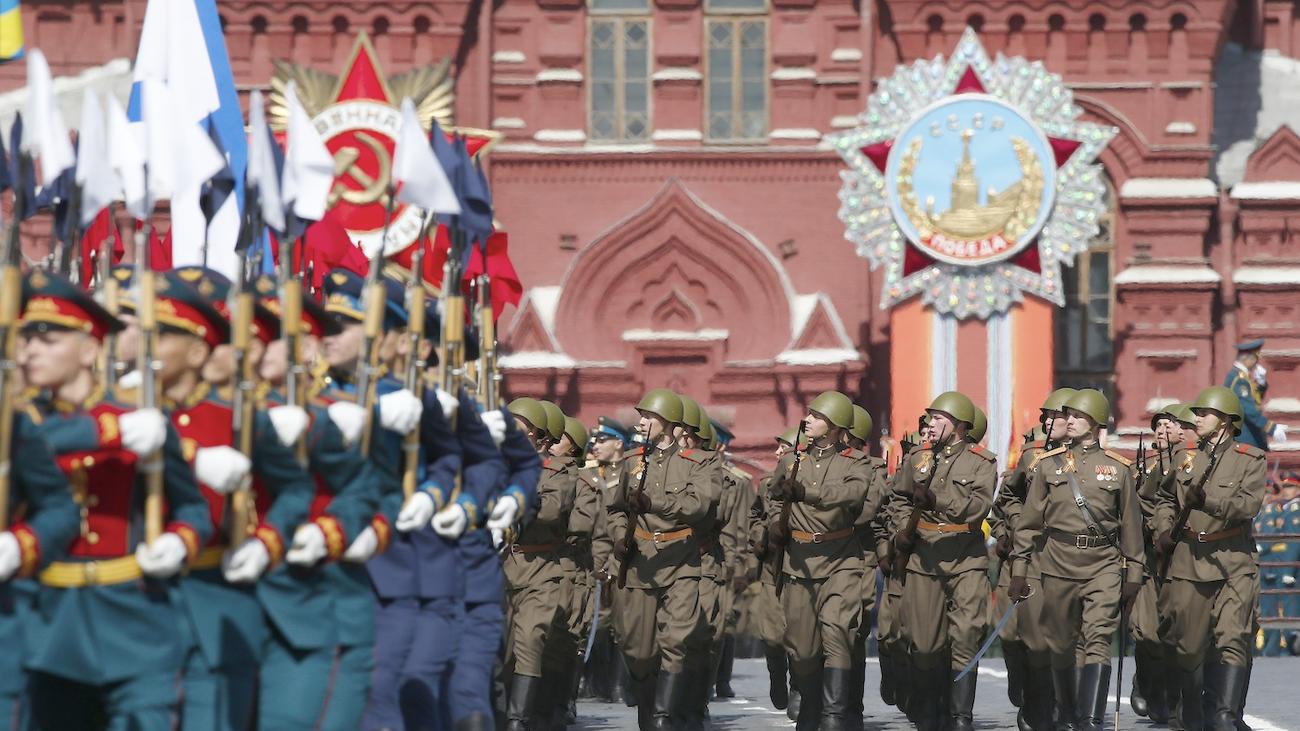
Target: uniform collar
column 64, row 406
column 956, row 447
column 1086, row 447
column 194, row 398
column 1239, row 366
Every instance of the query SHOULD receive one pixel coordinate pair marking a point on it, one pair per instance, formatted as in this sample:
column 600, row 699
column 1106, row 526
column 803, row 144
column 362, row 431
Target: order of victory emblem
column 971, row 181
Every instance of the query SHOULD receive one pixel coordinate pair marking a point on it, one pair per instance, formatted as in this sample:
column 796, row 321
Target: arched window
column 618, row 62
column 1085, row 351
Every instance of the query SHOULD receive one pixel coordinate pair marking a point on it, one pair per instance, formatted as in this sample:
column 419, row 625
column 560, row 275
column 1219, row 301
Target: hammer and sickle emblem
column 345, row 167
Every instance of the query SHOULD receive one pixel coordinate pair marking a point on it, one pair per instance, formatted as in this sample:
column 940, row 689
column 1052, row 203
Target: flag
column 126, row 158
column 56, row 196
column 506, row 287
column 263, row 171
column 415, row 168
column 182, row 46
column 22, row 176
column 100, row 238
column 11, row 30
column 99, row 186
column 308, row 165
column 218, row 188
column 47, row 137
column 477, row 218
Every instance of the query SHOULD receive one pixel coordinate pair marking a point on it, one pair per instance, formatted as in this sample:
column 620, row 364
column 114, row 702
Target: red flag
column 506, row 287
column 101, row 238
column 160, row 250
column 325, row 245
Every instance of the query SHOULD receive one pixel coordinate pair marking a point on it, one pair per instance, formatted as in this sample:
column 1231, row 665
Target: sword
column 595, row 620
column 1006, row 617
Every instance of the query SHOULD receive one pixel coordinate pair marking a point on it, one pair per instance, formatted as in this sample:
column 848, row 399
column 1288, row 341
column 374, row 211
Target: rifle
column 901, row 555
column 629, row 538
column 415, row 363
column 1185, row 511
column 368, row 363
column 787, row 505
column 11, row 297
column 1142, row 456
column 152, row 465
column 110, row 298
column 242, row 519
column 488, row 378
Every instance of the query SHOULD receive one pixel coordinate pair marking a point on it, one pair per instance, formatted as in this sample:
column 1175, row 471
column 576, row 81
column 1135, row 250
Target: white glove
column 1260, row 374
column 11, row 556
column 308, row 546
column 495, row 421
column 504, row 513
column 289, row 422
column 130, row 379
column 363, row 547
column 451, row 521
column 349, row 418
column 498, row 537
column 1288, row 581
column 163, row 558
column 448, row 403
column 245, row 564
column 400, row 411
column 222, row 468
column 143, row 430
column 416, row 513
column 1279, row 433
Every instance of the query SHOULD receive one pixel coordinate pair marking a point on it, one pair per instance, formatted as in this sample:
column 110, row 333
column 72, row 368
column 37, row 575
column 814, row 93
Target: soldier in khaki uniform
column 951, row 484
column 822, row 559
column 871, row 533
column 533, row 571
column 734, row 510
column 891, row 640
column 767, row 608
column 659, row 615
column 603, row 473
column 1083, row 519
column 1213, row 579
column 577, row 559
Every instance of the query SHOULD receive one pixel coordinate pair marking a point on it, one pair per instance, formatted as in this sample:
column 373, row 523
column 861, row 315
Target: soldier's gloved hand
column 903, row 541
column 495, row 421
column 1018, row 589
column 777, row 537
column 1165, row 543
column 245, row 564
column 163, row 558
column 451, row 521
column 450, row 404
column 620, row 551
column 1003, row 548
column 1288, row 580
column 503, row 513
column 639, row 501
column 1129, row 593
column 221, row 468
column 400, row 411
column 349, row 418
column 289, row 422
column 308, row 546
column 1196, row 498
column 11, row 556
column 416, row 512
column 130, row 379
column 143, row 431
column 363, row 548
column 787, row 490
column 923, row 498
column 759, row 550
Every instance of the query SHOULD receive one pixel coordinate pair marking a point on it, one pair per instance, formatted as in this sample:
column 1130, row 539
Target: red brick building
column 672, row 201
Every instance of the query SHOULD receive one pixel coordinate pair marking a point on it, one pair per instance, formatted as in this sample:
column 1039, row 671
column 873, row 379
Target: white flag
column 99, row 185
column 308, row 164
column 46, row 135
column 261, row 165
column 423, row 182
column 126, row 158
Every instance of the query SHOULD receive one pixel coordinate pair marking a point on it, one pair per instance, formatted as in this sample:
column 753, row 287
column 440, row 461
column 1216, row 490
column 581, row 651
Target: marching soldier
column 576, row 558
column 825, row 488
column 766, row 606
column 1081, row 515
column 1249, row 381
column 951, row 485
column 1213, row 577
column 603, row 473
column 891, row 638
column 738, row 499
column 871, row 535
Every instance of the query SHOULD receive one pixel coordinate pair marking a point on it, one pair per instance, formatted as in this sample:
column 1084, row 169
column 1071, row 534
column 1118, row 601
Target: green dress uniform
column 871, row 531
column 891, row 639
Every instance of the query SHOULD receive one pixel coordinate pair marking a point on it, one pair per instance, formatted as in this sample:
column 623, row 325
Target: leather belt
column 1203, row 537
column 517, row 549
column 1079, row 540
column 947, row 527
column 805, row 537
column 77, row 574
column 208, row 558
column 663, row 536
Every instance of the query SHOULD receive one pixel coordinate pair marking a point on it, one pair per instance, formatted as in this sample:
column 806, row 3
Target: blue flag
column 22, row 174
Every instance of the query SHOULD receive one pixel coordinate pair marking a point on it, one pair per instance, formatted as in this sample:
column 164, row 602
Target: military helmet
column 1164, row 412
column 835, row 406
column 956, row 405
column 789, row 435
column 530, row 410
column 692, row 414
column 576, row 431
column 708, row 435
column 1056, row 400
column 662, row 403
column 1092, row 402
column 1182, row 413
column 1220, row 399
column 862, row 424
column 980, row 427
column 554, row 419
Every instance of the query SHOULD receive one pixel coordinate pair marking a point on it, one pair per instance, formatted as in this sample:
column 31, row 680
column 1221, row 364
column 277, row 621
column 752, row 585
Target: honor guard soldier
column 667, row 493
column 871, row 529
column 820, row 492
column 945, row 590
column 1203, row 523
column 1248, row 379
column 603, row 473
column 106, row 640
column 1082, row 517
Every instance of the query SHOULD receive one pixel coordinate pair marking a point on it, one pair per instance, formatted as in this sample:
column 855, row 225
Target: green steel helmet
column 835, row 406
column 1165, row 412
column 1182, row 413
column 692, row 414
column 789, row 435
column 554, row 419
column 862, row 425
column 707, row 436
column 1220, row 399
column 956, row 405
column 1056, row 401
column 980, row 426
column 1092, row 402
column 662, row 403
column 576, row 431
column 530, row 410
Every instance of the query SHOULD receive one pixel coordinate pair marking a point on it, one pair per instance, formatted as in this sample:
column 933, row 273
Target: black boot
column 1016, row 657
column 1090, row 701
column 857, row 688
column 1038, row 702
column 961, row 702
column 643, row 693
column 1241, row 707
column 835, row 688
column 926, row 704
column 1157, row 684
column 668, row 699
column 1190, row 687
column 886, row 676
column 810, row 705
column 796, row 694
column 1227, row 692
column 571, row 711
column 776, row 671
column 522, row 697
column 1065, row 684
column 621, row 689
column 725, row 666
column 1146, row 657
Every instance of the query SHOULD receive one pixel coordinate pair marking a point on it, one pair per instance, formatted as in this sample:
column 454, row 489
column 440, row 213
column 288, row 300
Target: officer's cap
column 315, row 320
column 1250, row 346
column 52, row 302
column 181, row 307
column 608, row 428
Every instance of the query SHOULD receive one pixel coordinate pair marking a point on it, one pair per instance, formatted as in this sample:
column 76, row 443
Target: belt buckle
column 817, row 537
column 1081, row 542
column 655, row 537
column 939, row 527
column 1200, row 537
column 514, row 549
column 90, row 570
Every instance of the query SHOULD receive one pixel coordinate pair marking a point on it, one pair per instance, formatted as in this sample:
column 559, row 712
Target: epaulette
column 979, row 451
column 1038, row 444
column 590, row 463
column 634, row 453
column 1119, row 458
column 1059, row 450
column 693, row 455
column 1249, row 451
column 851, row 453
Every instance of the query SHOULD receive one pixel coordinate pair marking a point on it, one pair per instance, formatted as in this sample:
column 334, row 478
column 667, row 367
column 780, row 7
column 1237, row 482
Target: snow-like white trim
column 818, row 356
column 1158, row 403
column 543, row 301
column 844, row 121
column 1282, row 405
column 677, row 135
column 1180, row 128
column 1168, row 274
column 508, row 57
column 1182, row 354
column 560, row 135
column 846, row 55
column 565, row 75
column 1267, row 275
column 794, row 73
column 641, row 335
column 533, row 360
column 677, row 73
column 1169, row 188
column 508, row 123
column 1271, row 190
column 802, row 308
column 796, row 133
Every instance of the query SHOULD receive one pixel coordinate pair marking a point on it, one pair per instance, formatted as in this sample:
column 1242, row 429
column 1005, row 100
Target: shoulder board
column 876, row 462
column 744, row 477
column 634, row 453
column 1249, row 451
column 590, row 463
column 926, row 445
column 1119, row 458
column 979, row 451
column 1058, row 450
column 1038, row 444
column 852, row 453
column 693, row 455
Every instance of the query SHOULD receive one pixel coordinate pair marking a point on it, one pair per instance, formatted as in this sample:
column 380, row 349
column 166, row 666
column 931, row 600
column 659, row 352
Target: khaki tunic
column 577, row 558
column 1025, row 625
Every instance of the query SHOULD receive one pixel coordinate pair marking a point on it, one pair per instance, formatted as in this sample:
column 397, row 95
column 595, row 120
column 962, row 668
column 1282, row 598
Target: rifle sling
column 1085, row 510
